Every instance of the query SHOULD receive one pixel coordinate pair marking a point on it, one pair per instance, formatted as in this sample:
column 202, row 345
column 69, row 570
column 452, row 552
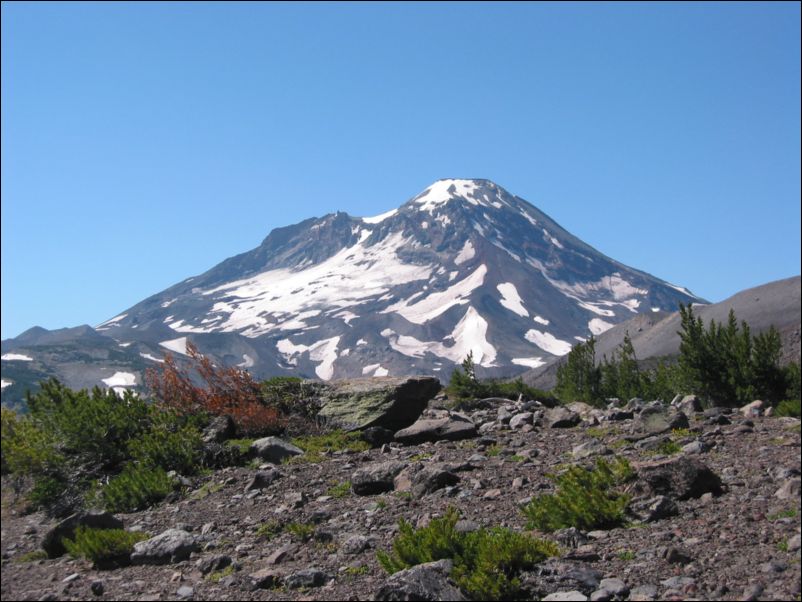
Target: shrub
column 486, row 562
column 340, row 490
column 169, row 445
column 585, row 499
column 106, row 548
column 135, row 488
column 227, row 391
column 789, row 407
column 269, row 530
column 300, row 531
column 26, row 448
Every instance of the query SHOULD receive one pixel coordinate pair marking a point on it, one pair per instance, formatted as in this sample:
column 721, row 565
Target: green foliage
column 300, row 531
column 579, row 379
column 31, row 556
column 626, row 555
column 243, row 445
column 792, row 381
column 340, row 490
column 169, row 444
column 135, row 488
column 73, row 440
column 487, row 562
column 315, row 446
column 268, row 530
column 789, row 407
column 620, row 376
column 585, row 499
column 218, row 575
column 96, row 426
column 104, row 547
column 726, row 364
column 668, row 448
column 790, row 513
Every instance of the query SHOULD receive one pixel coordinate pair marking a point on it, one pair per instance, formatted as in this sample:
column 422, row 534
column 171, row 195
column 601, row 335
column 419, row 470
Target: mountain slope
column 777, row 304
column 462, row 267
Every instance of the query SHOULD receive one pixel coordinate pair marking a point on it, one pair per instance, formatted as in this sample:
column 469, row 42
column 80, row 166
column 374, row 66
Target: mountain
column 777, row 304
column 462, row 267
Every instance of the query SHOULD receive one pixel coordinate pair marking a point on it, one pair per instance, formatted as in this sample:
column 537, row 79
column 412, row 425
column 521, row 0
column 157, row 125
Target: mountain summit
column 463, row 267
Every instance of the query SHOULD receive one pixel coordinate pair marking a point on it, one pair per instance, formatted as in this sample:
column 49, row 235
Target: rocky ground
column 735, row 538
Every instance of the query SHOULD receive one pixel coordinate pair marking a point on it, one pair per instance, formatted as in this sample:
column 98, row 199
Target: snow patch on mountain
column 343, row 280
column 18, row 357
column 541, row 320
column 529, row 362
column 5, row 383
column 440, row 193
column 247, row 361
column 376, row 219
column 112, row 322
column 120, row 379
column 598, row 326
column 511, row 299
column 435, row 304
column 148, row 356
column 177, row 345
column 466, row 253
column 469, row 335
column 547, row 342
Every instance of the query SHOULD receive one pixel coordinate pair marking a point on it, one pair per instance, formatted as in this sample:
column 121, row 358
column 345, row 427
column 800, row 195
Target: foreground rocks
column 717, row 520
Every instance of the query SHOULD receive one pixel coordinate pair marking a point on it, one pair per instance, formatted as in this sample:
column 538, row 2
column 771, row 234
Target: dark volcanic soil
column 741, row 545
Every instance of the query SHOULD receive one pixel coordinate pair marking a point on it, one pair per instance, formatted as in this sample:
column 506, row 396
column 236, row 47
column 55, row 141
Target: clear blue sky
column 143, row 143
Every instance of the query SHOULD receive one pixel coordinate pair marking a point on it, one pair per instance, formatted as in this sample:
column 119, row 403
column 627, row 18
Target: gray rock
column 566, row 596
column 560, row 417
column 97, row 587
column 654, row 420
column 213, row 563
column 643, row 593
column 681, row 478
column 311, row 577
column 594, row 447
column 376, row 478
column 616, row 415
column 789, row 490
column 51, row 543
column 678, row 582
column 377, row 436
column 185, row 592
column 451, row 427
column 794, row 543
column 355, row 544
column 172, row 545
column 220, row 429
column 274, row 450
column 695, row 447
column 432, row 478
column 615, row 586
column 388, row 402
column 753, row 409
column 653, row 509
column 688, row 405
column 262, row 479
column 519, row 420
column 266, row 578
column 428, row 581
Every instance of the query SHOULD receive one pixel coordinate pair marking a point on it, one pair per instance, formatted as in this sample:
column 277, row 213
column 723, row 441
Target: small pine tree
column 579, row 379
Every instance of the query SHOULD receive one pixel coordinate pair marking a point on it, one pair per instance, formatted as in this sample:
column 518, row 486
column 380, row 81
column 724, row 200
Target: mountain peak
column 474, row 191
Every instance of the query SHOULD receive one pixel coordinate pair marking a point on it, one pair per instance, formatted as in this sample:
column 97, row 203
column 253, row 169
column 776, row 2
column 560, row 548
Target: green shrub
column 486, row 562
column 789, row 407
column 106, row 548
column 31, row 556
column 26, row 448
column 136, row 488
column 169, row 445
column 585, row 499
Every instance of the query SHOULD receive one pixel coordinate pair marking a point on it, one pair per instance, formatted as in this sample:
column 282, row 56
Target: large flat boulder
column 680, row 478
column 451, row 426
column 389, row 402
column 173, row 545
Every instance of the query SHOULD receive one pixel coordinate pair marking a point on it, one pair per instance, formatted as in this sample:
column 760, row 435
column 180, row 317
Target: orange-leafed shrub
column 225, row 391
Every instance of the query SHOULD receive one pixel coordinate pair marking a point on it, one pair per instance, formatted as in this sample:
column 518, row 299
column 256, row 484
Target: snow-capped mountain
column 462, row 267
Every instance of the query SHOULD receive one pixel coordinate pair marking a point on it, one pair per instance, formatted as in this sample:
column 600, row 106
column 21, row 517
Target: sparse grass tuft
column 341, row 490
column 269, row 529
column 301, row 532
column 626, row 555
column 31, row 556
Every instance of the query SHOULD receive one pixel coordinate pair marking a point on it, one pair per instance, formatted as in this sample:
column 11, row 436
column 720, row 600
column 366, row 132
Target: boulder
column 653, row 509
column 262, row 478
column 377, row 436
column 560, row 417
column 376, row 478
column 594, row 447
column 388, row 402
column 449, row 427
column 428, row 581
column 273, row 449
column 426, row 480
column 519, row 420
column 753, row 409
column 172, row 545
column 688, row 405
column 52, row 542
column 311, row 577
column 654, row 420
column 220, row 429
column 680, row 478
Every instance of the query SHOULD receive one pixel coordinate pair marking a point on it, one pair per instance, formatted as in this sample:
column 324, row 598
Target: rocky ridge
column 717, row 520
